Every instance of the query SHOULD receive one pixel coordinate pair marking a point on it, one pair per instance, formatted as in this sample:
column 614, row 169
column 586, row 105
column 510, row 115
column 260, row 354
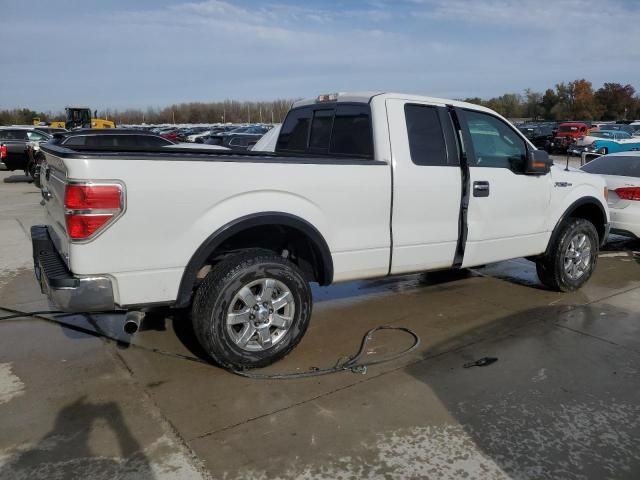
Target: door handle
column 481, row 189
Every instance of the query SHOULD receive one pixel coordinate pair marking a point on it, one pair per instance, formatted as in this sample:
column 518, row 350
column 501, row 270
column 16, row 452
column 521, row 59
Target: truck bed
column 177, row 198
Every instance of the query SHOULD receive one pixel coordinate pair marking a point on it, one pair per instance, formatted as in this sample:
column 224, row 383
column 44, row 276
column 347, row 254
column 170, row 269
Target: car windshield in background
column 625, row 166
column 568, row 128
column 602, row 134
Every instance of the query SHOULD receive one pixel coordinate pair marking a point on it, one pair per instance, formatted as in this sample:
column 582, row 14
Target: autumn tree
column 585, row 105
column 617, row 101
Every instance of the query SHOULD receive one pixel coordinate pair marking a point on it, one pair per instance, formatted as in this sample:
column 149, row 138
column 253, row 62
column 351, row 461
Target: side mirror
column 538, row 163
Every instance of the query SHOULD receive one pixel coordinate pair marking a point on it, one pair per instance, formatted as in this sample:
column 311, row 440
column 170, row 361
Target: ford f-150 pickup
column 360, row 186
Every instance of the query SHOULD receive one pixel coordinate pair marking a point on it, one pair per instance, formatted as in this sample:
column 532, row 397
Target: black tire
column 33, row 169
column 551, row 266
column 212, row 302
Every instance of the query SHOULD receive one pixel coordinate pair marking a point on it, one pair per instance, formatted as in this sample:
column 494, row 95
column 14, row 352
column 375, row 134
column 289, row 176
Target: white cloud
column 217, row 49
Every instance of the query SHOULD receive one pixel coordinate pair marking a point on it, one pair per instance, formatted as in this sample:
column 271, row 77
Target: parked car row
column 575, row 137
column 237, row 137
column 20, row 145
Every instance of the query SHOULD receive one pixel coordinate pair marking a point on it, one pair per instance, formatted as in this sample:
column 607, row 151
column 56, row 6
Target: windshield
column 78, row 117
column 602, row 134
column 568, row 128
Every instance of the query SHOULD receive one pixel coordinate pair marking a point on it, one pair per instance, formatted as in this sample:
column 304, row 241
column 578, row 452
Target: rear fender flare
column 232, row 228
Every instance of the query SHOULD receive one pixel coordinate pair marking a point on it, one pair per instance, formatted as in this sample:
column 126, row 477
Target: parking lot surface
column 561, row 401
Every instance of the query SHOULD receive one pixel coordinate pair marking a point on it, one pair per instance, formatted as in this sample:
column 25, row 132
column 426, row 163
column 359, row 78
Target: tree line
column 228, row 111
column 576, row 100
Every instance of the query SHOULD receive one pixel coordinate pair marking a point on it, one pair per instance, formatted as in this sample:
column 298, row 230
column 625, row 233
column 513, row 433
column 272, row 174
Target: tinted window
column 295, row 130
column 75, row 141
column 13, row 135
column 101, row 141
column 615, row 165
column 351, row 133
column 141, row 141
column 321, row 130
column 495, row 144
column 426, row 140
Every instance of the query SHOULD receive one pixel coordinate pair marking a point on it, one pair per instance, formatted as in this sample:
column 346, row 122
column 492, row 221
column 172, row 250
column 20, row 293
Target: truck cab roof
column 366, row 96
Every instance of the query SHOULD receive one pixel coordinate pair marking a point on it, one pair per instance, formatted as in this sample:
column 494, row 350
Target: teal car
column 613, row 141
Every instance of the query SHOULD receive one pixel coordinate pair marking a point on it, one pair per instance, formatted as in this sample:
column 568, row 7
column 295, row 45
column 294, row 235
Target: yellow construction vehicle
column 79, row 117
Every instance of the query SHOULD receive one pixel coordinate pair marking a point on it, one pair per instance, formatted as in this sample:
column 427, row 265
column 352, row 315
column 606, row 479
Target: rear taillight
column 3, row 151
column 628, row 193
column 89, row 208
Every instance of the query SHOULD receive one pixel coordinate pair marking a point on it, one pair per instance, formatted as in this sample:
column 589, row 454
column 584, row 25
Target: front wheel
column 571, row 257
column 251, row 309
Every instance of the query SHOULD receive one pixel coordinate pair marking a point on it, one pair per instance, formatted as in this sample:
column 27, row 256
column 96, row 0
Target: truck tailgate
column 53, row 178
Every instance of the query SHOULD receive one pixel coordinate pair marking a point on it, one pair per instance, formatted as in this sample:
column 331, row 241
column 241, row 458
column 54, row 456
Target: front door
column 507, row 209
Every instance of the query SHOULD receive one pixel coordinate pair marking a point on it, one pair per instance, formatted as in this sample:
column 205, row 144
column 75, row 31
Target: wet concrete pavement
column 562, row 401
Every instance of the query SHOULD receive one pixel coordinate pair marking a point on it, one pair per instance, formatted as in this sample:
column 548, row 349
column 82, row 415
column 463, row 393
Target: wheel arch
column 321, row 261
column 589, row 208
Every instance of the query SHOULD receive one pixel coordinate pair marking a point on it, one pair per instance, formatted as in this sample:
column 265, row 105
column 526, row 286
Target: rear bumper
column 69, row 292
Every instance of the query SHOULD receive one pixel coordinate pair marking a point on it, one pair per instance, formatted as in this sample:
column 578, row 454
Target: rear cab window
column 333, row 130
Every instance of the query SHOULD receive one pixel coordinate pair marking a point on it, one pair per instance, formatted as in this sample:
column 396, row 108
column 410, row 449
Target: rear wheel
column 251, row 309
column 572, row 256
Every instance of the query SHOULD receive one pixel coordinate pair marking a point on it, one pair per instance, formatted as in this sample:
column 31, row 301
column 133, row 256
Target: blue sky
column 117, row 54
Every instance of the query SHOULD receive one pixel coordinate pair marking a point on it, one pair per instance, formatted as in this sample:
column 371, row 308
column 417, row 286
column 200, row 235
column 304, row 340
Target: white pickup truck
column 360, row 186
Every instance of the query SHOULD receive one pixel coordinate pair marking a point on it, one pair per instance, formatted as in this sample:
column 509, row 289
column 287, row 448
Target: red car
column 170, row 135
column 567, row 134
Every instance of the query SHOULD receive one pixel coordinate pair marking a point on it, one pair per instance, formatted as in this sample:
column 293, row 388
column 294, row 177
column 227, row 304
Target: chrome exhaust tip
column 132, row 322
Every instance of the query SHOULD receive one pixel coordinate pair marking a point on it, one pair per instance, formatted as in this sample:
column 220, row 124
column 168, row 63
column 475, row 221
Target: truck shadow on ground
column 65, row 452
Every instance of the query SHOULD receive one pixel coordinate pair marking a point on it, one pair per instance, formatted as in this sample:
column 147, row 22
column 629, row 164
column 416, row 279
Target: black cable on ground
column 352, row 363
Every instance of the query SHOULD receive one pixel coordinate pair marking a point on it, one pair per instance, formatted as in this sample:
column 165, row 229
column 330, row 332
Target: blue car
column 612, row 141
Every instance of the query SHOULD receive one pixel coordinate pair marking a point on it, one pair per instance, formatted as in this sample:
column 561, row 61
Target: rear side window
column 426, row 139
column 294, row 133
column 342, row 130
column 614, row 165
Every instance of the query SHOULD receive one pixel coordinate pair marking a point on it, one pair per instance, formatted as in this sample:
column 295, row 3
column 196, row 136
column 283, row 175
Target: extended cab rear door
column 427, row 186
column 507, row 209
